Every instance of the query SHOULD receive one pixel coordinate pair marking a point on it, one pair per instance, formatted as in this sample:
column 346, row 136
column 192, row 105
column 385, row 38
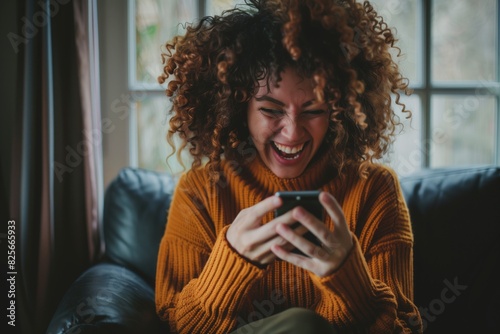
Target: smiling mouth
column 288, row 152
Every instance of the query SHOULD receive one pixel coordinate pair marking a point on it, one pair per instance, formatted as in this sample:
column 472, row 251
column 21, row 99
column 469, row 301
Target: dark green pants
column 292, row 321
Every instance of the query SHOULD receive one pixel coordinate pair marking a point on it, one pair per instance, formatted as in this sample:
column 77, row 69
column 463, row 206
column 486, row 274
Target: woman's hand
column 252, row 239
column 335, row 245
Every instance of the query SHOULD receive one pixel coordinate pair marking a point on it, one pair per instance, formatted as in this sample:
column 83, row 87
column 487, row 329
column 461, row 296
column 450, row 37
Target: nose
column 292, row 128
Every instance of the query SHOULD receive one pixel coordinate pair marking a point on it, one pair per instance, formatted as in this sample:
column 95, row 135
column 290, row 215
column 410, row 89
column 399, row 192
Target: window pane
column 464, row 40
column 403, row 16
column 153, row 150
column 152, row 126
column 215, row 7
column 463, row 130
column 407, row 154
column 157, row 21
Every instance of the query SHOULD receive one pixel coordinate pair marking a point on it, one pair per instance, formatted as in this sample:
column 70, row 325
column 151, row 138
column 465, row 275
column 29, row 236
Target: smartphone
column 309, row 200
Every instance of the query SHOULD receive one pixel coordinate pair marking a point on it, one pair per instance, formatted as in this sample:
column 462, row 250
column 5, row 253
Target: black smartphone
column 309, row 200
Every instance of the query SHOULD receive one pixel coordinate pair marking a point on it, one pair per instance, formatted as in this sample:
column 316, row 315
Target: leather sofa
column 455, row 216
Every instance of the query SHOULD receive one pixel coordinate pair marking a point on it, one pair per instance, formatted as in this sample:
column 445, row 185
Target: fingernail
column 298, row 213
column 281, row 227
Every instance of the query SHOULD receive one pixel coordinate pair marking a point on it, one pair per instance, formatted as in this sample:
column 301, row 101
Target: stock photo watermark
column 74, row 155
column 437, row 306
column 266, row 307
column 452, row 119
column 32, row 25
column 262, row 309
column 11, row 274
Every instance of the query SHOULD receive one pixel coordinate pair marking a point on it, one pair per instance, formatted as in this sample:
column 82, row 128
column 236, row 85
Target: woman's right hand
column 252, row 239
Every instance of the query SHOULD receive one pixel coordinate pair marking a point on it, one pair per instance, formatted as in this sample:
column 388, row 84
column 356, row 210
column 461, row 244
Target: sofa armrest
column 107, row 298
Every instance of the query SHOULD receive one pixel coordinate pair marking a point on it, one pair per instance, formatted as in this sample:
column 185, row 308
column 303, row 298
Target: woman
column 275, row 96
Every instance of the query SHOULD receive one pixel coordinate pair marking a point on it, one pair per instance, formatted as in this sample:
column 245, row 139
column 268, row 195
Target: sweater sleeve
column 201, row 282
column 373, row 290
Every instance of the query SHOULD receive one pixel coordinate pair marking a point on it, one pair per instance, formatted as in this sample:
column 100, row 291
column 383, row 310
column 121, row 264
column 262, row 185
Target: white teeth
column 288, row 149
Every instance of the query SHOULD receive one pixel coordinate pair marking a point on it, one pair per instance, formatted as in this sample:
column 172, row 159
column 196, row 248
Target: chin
column 286, row 169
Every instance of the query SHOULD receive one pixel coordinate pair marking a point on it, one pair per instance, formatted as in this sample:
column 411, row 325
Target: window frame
column 124, row 83
column 426, row 89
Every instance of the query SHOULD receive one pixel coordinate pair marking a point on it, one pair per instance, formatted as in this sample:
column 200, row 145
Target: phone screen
column 308, row 200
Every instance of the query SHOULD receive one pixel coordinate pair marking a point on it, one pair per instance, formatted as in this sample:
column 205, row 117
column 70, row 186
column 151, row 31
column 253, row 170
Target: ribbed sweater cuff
column 351, row 282
column 227, row 276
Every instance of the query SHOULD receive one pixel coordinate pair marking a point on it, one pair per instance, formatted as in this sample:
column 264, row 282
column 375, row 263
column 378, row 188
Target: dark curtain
column 54, row 178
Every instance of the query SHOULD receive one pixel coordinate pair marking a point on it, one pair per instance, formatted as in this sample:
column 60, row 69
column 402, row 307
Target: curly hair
column 213, row 69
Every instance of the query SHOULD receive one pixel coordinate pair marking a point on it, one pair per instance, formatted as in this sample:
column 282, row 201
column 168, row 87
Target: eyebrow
column 278, row 102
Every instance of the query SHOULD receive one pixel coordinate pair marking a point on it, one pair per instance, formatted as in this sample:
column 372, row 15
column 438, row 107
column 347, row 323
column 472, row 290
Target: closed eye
column 271, row 112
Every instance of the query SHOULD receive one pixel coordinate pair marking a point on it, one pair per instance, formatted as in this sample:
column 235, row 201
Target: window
column 450, row 54
column 151, row 24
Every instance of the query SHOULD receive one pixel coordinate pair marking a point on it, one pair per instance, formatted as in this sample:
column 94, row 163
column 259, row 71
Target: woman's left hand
column 335, row 245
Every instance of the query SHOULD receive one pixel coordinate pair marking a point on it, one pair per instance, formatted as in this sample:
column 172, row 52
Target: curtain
column 56, row 163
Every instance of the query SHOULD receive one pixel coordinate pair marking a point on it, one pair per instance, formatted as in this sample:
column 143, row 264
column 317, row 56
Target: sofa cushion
column 107, row 298
column 456, row 221
column 135, row 211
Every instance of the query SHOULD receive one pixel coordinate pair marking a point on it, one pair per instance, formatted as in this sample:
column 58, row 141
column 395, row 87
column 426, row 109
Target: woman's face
column 287, row 124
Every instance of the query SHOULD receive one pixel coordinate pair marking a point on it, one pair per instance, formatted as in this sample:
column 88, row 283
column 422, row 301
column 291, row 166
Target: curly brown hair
column 344, row 45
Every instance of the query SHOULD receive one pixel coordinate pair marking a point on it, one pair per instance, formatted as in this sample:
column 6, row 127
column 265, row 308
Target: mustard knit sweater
column 204, row 286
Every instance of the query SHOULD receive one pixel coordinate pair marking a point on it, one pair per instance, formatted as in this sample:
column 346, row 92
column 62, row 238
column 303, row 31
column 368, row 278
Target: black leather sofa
column 456, row 221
